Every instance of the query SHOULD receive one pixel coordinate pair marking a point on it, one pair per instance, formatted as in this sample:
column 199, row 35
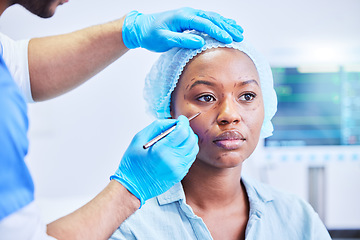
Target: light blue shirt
column 273, row 215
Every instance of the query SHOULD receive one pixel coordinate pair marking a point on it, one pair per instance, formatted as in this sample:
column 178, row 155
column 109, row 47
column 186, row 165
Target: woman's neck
column 207, row 187
column 219, row 198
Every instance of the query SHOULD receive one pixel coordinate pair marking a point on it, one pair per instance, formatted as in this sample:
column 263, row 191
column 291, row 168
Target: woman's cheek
column 201, row 128
column 195, row 127
column 255, row 121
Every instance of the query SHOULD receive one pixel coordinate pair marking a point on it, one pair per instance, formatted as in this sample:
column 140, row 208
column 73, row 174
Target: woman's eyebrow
column 198, row 82
column 248, row 82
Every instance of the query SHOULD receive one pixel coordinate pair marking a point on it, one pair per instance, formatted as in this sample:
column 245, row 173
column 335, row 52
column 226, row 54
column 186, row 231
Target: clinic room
column 313, row 48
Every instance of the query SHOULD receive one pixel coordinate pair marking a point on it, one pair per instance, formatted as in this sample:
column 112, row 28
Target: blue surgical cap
column 165, row 73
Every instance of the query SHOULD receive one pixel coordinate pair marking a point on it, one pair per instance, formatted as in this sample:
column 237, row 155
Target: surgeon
column 29, row 73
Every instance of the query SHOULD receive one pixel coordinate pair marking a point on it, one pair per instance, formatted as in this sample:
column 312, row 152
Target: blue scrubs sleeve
column 16, row 185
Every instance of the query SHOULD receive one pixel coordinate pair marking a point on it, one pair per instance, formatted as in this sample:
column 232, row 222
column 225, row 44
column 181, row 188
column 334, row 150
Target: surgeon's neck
column 4, row 4
column 2, row 7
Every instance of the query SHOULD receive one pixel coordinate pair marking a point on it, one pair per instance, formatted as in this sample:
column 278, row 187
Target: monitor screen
column 316, row 107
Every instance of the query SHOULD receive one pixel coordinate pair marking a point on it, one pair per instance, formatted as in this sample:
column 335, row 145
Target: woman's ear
column 172, row 109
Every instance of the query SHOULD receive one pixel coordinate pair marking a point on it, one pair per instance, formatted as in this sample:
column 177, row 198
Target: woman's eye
column 247, row 97
column 206, row 98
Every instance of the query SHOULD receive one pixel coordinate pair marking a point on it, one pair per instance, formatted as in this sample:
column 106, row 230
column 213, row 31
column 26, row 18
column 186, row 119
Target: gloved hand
column 161, row 31
column 151, row 172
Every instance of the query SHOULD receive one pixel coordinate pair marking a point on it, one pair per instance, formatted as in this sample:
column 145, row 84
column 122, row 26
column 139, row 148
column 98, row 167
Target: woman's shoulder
column 155, row 207
column 163, row 217
column 283, row 213
column 156, row 219
column 276, row 198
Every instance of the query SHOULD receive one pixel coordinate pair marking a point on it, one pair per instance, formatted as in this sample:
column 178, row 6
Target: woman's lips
column 229, row 140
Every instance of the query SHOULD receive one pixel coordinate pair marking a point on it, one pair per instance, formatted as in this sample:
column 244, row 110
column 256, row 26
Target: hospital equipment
column 317, row 138
column 163, row 134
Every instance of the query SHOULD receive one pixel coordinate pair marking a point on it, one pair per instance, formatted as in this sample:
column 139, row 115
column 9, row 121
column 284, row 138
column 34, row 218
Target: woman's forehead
column 218, row 57
column 211, row 52
column 217, row 62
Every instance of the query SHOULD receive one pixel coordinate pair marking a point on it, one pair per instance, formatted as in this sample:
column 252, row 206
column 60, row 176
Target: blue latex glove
column 161, row 31
column 151, row 172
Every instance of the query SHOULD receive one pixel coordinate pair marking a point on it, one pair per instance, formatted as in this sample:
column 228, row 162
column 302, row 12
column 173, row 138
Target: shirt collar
column 254, row 189
column 176, row 193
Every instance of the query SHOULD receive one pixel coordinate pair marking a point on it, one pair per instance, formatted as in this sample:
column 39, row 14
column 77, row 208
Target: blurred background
column 77, row 140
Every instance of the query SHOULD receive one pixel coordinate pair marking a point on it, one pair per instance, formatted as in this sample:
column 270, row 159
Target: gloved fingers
column 177, row 156
column 192, row 147
column 181, row 133
column 233, row 22
column 186, row 148
column 195, row 148
column 181, row 164
column 175, row 39
column 187, row 161
column 206, row 26
column 154, row 129
column 220, row 20
column 236, row 26
column 218, row 27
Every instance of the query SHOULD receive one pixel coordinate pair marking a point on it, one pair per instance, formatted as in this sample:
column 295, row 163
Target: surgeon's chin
column 45, row 11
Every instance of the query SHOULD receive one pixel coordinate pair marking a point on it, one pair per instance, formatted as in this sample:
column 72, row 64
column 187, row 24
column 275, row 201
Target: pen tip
column 194, row 116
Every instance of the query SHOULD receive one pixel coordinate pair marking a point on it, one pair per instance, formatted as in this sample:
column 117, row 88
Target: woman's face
column 222, row 84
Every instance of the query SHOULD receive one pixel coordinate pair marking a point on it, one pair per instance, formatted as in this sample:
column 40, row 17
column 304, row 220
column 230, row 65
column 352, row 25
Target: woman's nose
column 228, row 112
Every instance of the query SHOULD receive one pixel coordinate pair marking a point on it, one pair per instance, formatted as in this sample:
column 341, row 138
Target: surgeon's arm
column 60, row 63
column 99, row 218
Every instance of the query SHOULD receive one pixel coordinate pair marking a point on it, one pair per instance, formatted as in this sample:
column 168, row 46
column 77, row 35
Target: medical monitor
column 315, row 148
column 317, row 106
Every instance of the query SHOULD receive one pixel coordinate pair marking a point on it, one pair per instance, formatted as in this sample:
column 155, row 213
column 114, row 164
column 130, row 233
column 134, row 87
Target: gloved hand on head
column 160, row 32
column 151, row 172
